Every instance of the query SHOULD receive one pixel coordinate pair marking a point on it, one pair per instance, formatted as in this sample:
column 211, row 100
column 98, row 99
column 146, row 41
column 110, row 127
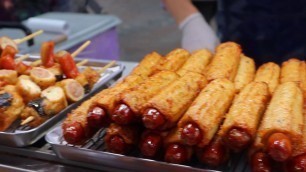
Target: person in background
column 266, row 30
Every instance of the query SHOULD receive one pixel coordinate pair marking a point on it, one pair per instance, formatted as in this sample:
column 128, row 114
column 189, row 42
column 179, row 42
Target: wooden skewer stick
column 81, row 63
column 110, row 64
column 18, row 41
column 28, row 120
column 74, row 54
column 80, row 49
column 21, row 58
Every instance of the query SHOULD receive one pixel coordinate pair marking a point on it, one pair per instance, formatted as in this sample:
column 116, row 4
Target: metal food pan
column 20, row 136
column 93, row 152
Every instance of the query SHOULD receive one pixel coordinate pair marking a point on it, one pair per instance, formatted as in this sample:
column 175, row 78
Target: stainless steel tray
column 93, row 152
column 20, row 136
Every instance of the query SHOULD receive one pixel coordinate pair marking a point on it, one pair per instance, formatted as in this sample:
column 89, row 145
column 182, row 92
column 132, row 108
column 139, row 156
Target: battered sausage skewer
column 270, row 74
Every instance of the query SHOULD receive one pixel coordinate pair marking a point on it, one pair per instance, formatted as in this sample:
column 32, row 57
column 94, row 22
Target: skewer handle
column 19, row 41
column 80, row 49
column 110, row 64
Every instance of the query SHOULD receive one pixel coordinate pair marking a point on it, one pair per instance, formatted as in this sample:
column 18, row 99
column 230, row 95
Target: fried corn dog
column 165, row 108
column 197, row 62
column 268, row 73
column 241, row 122
column 75, row 126
column 173, row 60
column 175, row 151
column 245, row 73
column 148, row 64
column 120, row 139
column 294, row 70
column 282, row 122
column 202, row 119
column 225, row 62
column 129, row 105
column 11, row 105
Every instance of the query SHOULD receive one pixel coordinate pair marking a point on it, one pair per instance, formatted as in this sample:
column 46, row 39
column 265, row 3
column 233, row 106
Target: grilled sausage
column 201, row 121
column 245, row 73
column 167, row 107
column 197, row 62
column 268, row 73
column 130, row 103
column 242, row 120
column 225, row 62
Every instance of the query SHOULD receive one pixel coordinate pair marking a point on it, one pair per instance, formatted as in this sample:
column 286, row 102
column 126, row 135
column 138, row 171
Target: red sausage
column 191, row 134
column 176, row 153
column 97, row 118
column 237, row 139
column 123, row 115
column 214, row 154
column 116, row 144
column 279, row 147
column 73, row 133
column 297, row 164
column 260, row 162
column 153, row 119
column 150, row 144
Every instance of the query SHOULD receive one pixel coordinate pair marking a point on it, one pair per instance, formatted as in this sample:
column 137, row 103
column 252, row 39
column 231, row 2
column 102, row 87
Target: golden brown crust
column 137, row 96
column 174, row 100
column 147, row 65
column 197, row 62
column 11, row 113
column 130, row 134
column 284, row 114
column 245, row 73
column 209, row 108
column 225, row 62
column 270, row 74
column 173, row 60
column 247, row 109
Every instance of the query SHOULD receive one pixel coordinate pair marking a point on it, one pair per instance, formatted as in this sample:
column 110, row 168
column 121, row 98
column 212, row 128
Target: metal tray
column 93, row 152
column 20, row 136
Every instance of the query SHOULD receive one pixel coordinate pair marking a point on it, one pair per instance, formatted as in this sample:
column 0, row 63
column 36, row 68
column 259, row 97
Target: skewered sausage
column 46, row 54
column 8, row 77
column 28, row 89
column 73, row 89
column 260, row 162
column 151, row 143
column 42, row 77
column 166, row 108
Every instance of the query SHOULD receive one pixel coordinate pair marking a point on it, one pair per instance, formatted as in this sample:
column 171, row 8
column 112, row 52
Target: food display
column 203, row 110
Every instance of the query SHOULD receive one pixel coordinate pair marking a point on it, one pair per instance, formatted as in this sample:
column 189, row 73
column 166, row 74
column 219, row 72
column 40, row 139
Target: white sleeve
column 197, row 34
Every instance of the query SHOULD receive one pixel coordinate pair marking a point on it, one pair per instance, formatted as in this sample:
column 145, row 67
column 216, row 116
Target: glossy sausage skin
column 151, row 144
column 214, row 154
column 260, row 162
column 191, row 134
column 116, row 144
column 97, row 118
column 297, row 164
column 176, row 153
column 74, row 133
column 123, row 115
column 153, row 119
column 279, row 147
column 237, row 139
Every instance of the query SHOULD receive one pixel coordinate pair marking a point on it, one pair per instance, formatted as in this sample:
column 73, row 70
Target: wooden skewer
column 21, row 58
column 19, row 41
column 80, row 49
column 28, row 120
column 74, row 54
column 81, row 63
column 110, row 64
